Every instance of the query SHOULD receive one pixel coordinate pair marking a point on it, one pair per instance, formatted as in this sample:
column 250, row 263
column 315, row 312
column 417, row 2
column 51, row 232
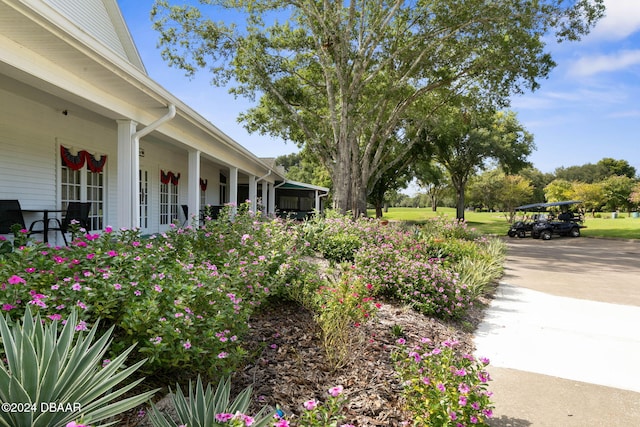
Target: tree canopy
column 341, row 78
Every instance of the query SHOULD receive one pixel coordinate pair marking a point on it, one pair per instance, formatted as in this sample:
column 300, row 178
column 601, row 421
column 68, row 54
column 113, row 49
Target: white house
column 80, row 120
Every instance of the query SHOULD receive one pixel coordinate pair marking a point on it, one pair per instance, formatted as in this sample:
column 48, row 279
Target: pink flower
column 8, row 307
column 224, row 417
column 108, row 229
column 336, row 391
column 187, row 345
column 81, row 326
column 281, row 423
column 310, row 405
column 223, row 355
column 56, row 316
column 14, row 280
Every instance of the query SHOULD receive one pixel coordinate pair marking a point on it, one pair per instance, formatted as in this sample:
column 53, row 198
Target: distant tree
column 558, row 190
column 463, row 140
column 592, row 195
column 305, row 167
column 617, row 190
column 484, row 189
column 586, row 173
column 388, row 184
column 608, row 167
column 289, row 160
column 515, row 191
column 634, row 197
column 432, row 178
column 539, row 181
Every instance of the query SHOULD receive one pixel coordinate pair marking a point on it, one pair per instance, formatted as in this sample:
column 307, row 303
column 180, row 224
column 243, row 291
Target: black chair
column 76, row 211
column 185, row 211
column 10, row 214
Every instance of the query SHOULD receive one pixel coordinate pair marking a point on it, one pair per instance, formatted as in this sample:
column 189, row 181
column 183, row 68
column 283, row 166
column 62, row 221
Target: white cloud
column 621, row 20
column 590, row 65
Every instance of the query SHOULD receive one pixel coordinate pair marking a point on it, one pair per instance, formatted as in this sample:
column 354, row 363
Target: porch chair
column 78, row 211
column 10, row 214
column 185, row 211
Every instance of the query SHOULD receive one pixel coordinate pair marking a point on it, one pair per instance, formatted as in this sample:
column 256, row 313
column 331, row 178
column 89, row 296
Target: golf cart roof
column 538, row 206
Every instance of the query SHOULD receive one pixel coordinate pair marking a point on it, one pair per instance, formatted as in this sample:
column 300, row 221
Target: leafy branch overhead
column 341, row 77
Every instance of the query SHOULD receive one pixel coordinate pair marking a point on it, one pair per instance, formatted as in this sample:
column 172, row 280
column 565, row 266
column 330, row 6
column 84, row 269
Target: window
column 223, row 189
column 144, row 198
column 82, row 179
column 168, row 197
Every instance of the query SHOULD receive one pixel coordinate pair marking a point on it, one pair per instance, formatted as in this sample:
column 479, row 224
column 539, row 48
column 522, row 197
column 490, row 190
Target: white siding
column 30, row 159
column 92, row 17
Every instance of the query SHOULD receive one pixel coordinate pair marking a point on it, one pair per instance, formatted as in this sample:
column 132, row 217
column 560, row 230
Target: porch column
column 253, row 193
column 265, row 197
column 233, row 189
column 127, row 179
column 193, row 189
column 317, row 204
column 272, row 199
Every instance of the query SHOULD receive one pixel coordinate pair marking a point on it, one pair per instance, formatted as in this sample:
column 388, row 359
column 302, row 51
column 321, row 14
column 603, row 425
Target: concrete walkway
column 563, row 334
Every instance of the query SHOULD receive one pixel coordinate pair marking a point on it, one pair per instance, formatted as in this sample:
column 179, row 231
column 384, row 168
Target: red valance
column 77, row 161
column 203, row 184
column 169, row 176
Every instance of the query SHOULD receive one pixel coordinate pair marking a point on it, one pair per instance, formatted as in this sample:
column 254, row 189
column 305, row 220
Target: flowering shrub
column 317, row 414
column 399, row 268
column 442, row 388
column 184, row 296
column 341, row 306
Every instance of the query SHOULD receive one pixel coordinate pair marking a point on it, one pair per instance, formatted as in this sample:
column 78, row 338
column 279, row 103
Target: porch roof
column 43, row 50
column 295, row 185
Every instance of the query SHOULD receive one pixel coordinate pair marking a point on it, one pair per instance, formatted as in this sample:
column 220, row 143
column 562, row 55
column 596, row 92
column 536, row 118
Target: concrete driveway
column 563, row 334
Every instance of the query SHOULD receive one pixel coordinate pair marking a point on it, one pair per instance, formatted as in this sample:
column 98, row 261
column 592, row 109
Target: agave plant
column 54, row 378
column 203, row 408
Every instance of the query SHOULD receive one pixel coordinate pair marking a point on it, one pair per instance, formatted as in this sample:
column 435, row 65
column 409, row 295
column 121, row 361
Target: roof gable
column 103, row 21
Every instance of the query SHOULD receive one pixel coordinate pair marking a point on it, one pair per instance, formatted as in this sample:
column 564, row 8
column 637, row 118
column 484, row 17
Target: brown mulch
column 292, row 366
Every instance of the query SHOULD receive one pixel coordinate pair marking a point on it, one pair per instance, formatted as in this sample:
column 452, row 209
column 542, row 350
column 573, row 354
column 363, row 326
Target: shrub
column 185, row 296
column 208, row 409
column 44, row 367
column 441, row 388
column 399, row 268
column 341, row 306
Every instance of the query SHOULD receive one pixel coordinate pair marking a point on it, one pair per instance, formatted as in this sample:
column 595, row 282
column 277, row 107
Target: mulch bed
column 290, row 365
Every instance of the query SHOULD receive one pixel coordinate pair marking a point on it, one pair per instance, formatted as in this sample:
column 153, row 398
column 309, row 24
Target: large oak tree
column 340, row 76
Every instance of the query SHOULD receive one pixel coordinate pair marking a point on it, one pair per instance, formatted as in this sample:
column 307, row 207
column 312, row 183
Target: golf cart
column 543, row 225
column 523, row 225
column 567, row 223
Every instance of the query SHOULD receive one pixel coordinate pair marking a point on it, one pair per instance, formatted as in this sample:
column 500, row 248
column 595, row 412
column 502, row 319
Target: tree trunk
column 459, row 200
column 342, row 182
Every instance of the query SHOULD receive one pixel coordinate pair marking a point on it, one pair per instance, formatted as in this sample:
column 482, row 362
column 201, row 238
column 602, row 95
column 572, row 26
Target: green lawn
column 496, row 223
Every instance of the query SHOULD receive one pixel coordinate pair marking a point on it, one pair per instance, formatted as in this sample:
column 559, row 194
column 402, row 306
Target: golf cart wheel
column 575, row 232
column 545, row 235
column 511, row 233
column 521, row 234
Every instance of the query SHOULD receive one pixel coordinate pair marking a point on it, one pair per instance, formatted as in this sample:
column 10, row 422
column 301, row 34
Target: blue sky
column 588, row 108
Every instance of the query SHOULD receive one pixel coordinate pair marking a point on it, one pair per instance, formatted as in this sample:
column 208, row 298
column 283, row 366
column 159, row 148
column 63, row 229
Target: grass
column 496, row 222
